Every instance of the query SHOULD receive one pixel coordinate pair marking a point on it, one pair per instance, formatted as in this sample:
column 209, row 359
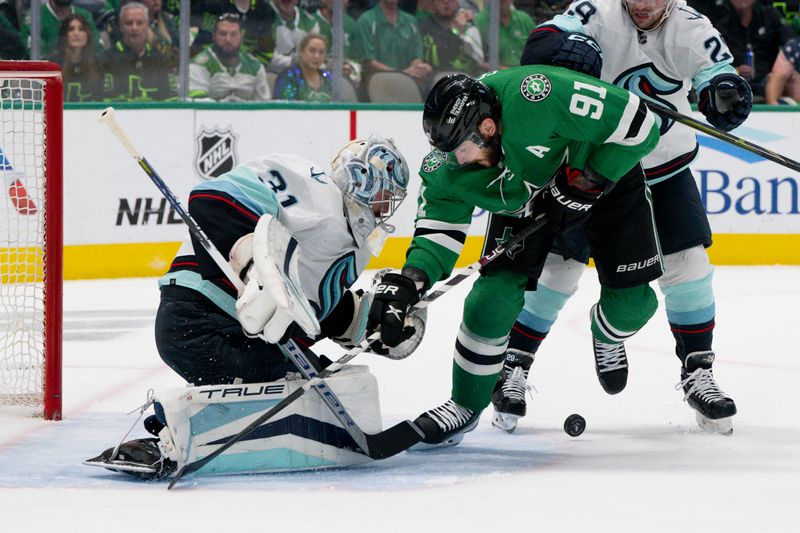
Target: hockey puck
column 574, row 425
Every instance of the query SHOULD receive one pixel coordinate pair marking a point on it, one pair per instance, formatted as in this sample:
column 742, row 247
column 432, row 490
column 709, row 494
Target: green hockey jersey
column 550, row 116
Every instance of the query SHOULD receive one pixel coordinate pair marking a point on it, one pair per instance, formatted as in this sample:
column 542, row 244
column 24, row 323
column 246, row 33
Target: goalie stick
column 724, row 136
column 376, row 446
column 399, row 430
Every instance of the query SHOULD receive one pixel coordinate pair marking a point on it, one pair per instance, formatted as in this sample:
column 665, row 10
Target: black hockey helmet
column 454, row 108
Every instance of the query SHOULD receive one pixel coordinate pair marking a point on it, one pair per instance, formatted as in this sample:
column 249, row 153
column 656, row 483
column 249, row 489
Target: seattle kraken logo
column 340, row 275
column 646, row 81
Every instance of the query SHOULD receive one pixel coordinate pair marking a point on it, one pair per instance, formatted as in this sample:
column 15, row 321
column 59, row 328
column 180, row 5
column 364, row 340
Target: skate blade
column 123, row 466
column 447, row 443
column 505, row 421
column 723, row 426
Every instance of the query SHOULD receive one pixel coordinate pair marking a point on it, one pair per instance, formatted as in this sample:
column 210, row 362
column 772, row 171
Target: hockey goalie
column 298, row 238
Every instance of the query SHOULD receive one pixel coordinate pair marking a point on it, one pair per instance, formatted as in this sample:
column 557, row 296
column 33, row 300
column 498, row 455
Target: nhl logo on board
column 536, row 87
column 215, row 152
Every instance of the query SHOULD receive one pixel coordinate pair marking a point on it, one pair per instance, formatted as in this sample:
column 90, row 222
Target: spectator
column 392, row 41
column 224, row 71
column 11, row 46
column 258, row 25
column 351, row 68
column 449, row 41
column 291, row 25
column 515, row 25
column 748, row 22
column 784, row 80
column 132, row 69
column 163, row 27
column 74, row 53
column 307, row 80
column 52, row 13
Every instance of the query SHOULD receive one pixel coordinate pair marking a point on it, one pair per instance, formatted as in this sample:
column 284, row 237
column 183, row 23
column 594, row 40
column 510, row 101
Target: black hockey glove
column 568, row 198
column 550, row 45
column 394, row 295
column 726, row 101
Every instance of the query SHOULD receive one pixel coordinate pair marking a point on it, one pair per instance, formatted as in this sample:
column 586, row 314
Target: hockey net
column 30, row 235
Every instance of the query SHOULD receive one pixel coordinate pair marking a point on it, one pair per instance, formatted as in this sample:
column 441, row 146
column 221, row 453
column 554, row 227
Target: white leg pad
column 303, row 436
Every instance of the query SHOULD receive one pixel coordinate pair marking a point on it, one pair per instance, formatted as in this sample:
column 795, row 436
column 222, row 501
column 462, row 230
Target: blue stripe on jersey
column 341, row 274
column 244, row 185
column 703, row 77
column 193, row 280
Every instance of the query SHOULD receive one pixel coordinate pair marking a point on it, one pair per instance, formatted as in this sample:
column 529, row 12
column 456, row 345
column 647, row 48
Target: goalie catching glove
column 272, row 299
column 726, row 101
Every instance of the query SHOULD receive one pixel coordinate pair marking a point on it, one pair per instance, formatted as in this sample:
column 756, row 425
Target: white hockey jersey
column 304, row 199
column 661, row 65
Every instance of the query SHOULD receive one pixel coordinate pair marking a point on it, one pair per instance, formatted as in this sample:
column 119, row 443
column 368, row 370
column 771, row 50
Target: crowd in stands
column 258, row 50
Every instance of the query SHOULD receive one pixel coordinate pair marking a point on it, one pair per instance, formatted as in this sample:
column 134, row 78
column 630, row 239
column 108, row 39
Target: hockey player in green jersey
column 520, row 143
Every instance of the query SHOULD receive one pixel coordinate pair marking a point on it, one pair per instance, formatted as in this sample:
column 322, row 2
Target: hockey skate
column 508, row 397
column 714, row 409
column 445, row 426
column 140, row 458
column 611, row 364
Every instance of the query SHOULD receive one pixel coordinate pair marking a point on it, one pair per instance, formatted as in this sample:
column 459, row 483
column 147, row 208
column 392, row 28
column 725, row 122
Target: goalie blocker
column 198, row 420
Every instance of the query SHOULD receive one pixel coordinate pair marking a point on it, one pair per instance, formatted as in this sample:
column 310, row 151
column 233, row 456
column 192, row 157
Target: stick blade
column 394, row 440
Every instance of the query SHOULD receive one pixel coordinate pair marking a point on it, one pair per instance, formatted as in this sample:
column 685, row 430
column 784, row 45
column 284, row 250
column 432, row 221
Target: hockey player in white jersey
column 659, row 50
column 325, row 227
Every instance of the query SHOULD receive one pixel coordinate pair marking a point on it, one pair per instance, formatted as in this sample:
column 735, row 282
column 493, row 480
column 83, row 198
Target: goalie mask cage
column 31, row 235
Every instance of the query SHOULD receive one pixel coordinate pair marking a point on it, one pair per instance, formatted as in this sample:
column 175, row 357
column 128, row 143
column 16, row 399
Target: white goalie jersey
column 306, row 202
column 311, row 208
column 660, row 65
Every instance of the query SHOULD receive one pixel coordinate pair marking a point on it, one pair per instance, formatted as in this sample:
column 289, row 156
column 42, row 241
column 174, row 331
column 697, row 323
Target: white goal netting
column 22, row 242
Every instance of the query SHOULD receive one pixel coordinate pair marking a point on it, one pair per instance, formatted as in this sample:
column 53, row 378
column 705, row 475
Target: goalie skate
column 140, row 458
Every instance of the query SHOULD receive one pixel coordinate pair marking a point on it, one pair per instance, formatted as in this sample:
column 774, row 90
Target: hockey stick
column 538, row 223
column 724, row 136
column 378, row 446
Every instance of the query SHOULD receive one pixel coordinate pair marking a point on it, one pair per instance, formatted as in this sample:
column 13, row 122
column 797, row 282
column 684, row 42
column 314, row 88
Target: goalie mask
column 648, row 15
column 373, row 177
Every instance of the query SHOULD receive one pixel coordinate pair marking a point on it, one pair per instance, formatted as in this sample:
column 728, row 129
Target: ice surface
column 642, row 464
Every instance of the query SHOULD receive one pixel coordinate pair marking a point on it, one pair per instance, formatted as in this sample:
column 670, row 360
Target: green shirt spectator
column 132, row 69
column 52, row 13
column 515, row 25
column 392, row 41
column 291, row 25
column 353, row 53
column 307, row 80
column 11, row 46
column 224, row 71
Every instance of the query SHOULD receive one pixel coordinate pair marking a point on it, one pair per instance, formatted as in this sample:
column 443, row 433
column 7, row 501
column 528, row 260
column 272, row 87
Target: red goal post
column 31, row 109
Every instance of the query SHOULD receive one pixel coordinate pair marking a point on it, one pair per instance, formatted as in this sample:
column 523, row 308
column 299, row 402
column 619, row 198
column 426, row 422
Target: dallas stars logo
column 432, row 161
column 535, row 87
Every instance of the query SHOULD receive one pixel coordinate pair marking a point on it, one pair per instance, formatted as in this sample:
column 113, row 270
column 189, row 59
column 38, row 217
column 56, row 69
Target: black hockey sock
column 692, row 338
column 525, row 339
